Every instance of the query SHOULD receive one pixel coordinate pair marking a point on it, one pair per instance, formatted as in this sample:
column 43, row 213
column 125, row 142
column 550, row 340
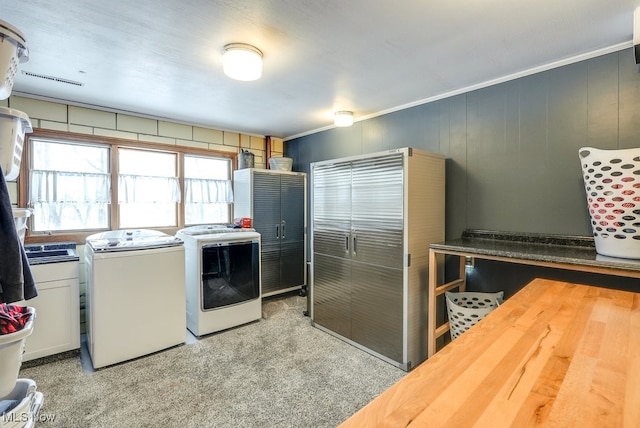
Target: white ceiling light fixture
column 343, row 118
column 241, row 61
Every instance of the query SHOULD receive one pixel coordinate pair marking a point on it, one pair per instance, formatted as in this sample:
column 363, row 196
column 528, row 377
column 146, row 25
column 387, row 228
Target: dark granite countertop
column 575, row 250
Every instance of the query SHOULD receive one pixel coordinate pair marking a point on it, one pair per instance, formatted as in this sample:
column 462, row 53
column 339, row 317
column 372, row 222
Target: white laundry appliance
column 222, row 277
column 135, row 301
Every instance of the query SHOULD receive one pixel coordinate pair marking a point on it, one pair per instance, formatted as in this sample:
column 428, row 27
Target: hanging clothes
column 16, row 280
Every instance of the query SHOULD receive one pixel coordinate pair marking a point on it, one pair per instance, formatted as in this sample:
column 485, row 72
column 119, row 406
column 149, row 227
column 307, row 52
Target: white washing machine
column 222, row 277
column 135, row 301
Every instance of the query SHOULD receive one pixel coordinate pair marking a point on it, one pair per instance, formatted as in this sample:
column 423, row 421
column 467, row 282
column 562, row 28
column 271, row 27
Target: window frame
column 115, row 144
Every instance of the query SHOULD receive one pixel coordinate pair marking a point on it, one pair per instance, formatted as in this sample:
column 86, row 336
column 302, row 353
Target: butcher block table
column 555, row 354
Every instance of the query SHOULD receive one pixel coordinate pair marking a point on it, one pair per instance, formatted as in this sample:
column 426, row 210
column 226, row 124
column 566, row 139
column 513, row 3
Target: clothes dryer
column 222, row 277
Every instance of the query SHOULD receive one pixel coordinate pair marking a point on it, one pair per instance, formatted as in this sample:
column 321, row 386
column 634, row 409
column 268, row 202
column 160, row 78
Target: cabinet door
column 378, row 211
column 292, row 264
column 266, row 221
column 376, row 309
column 332, row 209
column 332, row 293
column 292, row 205
column 266, row 207
column 56, row 326
column 270, row 269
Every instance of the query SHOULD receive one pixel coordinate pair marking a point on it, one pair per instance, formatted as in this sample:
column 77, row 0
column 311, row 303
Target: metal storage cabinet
column 373, row 218
column 276, row 201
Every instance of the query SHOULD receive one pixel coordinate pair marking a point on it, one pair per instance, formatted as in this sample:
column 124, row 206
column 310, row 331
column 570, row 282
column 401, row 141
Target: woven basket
column 465, row 309
column 612, row 183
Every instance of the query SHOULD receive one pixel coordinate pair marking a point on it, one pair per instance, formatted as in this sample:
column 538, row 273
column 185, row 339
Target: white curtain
column 68, row 187
column 197, row 190
column 148, row 189
column 63, row 200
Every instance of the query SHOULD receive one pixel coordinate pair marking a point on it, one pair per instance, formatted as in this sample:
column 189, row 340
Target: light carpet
column 277, row 372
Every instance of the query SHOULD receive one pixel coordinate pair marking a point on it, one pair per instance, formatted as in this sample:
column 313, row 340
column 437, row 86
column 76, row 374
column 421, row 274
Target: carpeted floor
column 277, row 372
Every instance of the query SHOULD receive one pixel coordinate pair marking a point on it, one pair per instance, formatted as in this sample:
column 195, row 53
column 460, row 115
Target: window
column 208, row 193
column 69, row 186
column 148, row 188
column 78, row 185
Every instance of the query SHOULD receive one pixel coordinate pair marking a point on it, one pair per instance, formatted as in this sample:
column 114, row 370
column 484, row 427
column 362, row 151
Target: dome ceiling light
column 343, row 118
column 241, row 61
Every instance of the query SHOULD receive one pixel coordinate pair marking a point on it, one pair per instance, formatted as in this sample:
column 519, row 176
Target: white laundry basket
column 281, row 163
column 13, row 50
column 11, row 350
column 13, row 125
column 20, row 217
column 612, row 183
column 465, row 309
column 25, row 412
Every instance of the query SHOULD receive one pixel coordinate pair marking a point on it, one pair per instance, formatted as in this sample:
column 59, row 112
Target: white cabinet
column 57, row 325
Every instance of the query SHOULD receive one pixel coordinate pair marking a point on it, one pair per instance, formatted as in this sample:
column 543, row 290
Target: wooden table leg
column 435, row 290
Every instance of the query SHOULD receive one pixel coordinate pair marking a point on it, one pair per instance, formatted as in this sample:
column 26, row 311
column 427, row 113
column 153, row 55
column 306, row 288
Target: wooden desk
column 555, row 354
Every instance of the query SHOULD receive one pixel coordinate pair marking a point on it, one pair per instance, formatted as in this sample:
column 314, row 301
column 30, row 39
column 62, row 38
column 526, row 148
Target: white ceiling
column 162, row 58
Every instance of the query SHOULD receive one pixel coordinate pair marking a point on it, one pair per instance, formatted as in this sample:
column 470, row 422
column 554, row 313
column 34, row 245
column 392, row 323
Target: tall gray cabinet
column 373, row 218
column 276, row 201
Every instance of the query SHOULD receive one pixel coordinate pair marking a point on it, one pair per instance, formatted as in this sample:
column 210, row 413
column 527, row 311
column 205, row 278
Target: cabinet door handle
column 355, row 244
column 283, row 235
column 346, row 244
column 277, row 231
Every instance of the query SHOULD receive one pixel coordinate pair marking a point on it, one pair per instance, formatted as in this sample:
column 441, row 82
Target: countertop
column 55, row 252
column 555, row 354
column 572, row 250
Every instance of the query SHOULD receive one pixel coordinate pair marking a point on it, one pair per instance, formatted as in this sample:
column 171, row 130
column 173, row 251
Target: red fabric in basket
column 13, row 318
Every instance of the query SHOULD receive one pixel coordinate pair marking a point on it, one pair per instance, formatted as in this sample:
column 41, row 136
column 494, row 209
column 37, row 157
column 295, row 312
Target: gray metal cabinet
column 276, row 201
column 369, row 274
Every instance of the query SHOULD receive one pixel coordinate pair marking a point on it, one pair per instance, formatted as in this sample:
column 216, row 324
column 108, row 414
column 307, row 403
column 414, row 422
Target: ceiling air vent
column 53, row 78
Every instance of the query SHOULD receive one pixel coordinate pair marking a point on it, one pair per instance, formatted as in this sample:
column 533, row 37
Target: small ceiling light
column 343, row 118
column 242, row 62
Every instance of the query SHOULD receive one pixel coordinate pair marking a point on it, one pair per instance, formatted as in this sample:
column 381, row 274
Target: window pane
column 58, row 156
column 212, row 168
column 201, row 213
column 145, row 162
column 207, row 168
column 147, row 215
column 69, row 186
column 70, row 217
column 148, row 190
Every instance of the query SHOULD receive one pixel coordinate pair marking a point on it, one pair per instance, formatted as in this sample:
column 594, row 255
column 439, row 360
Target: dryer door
column 230, row 273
